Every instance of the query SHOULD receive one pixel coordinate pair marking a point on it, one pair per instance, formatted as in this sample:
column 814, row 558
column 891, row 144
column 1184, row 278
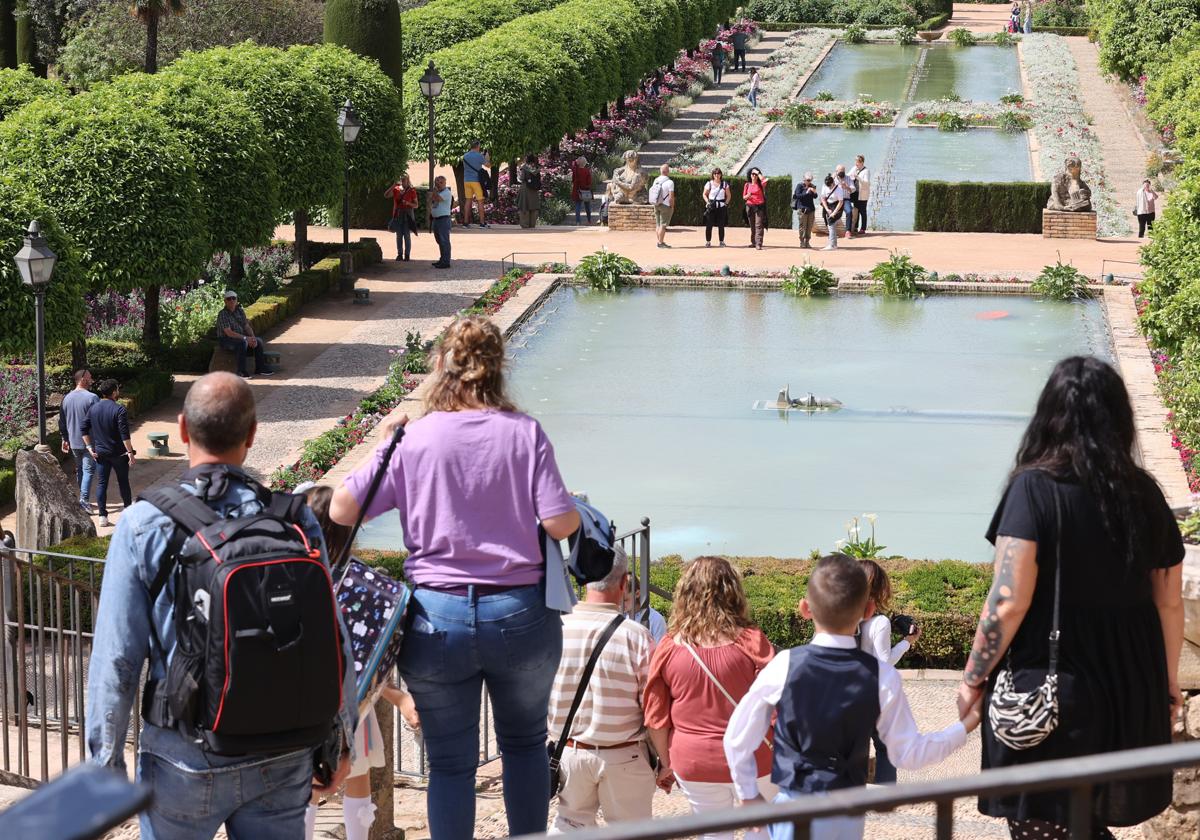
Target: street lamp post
column 431, row 88
column 348, row 125
column 35, row 261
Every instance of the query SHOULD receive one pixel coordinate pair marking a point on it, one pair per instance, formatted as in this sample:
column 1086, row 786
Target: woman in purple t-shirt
column 471, row 481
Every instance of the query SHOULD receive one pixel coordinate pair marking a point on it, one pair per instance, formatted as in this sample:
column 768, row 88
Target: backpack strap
column 561, row 744
column 286, row 506
column 190, row 516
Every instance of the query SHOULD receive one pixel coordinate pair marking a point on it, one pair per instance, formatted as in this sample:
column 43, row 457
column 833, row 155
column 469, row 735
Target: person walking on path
column 739, row 39
column 716, row 208
column 1028, row 17
column 529, row 199
column 1088, row 577
column 832, row 201
column 441, row 206
column 860, row 175
column 581, row 187
column 662, row 198
column 718, row 61
column 235, row 334
column 404, row 205
column 804, row 199
column 1144, row 207
column 754, row 193
column 196, row 790
column 71, row 416
column 471, row 481
column 605, row 765
column 699, row 672
column 752, row 94
column 105, row 433
column 474, row 176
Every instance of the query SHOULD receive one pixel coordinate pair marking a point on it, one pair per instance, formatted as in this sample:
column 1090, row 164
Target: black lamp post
column 431, row 88
column 348, row 125
column 36, row 262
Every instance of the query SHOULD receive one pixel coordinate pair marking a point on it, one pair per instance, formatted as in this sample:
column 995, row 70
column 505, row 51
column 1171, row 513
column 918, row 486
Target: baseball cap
column 230, row 293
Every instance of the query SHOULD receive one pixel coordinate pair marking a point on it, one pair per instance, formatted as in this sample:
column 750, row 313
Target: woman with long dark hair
column 1078, row 504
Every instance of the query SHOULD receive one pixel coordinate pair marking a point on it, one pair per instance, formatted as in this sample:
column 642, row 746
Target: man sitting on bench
column 235, row 334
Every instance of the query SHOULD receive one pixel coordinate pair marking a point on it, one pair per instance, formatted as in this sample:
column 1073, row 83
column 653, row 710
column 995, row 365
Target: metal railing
column 1079, row 777
column 510, row 260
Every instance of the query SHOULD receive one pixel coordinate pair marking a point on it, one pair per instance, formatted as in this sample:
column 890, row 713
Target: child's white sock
column 310, row 821
column 359, row 813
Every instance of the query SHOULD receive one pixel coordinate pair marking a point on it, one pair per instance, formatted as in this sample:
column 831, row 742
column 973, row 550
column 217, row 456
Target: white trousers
column 618, row 782
column 720, row 796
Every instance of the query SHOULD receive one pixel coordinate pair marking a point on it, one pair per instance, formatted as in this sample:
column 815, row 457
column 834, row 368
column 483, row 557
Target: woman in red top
column 581, row 187
column 404, row 223
column 697, row 674
column 754, row 193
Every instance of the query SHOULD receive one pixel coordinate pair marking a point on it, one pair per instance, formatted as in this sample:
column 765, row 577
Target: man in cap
column 235, row 334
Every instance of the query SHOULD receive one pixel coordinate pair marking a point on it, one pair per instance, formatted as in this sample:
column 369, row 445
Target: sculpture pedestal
column 630, row 217
column 1059, row 224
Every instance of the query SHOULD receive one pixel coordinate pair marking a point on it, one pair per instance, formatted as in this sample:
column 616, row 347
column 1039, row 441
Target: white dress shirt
column 907, row 747
column 877, row 640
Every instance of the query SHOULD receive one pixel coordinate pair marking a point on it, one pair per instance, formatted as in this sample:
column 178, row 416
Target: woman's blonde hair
column 878, row 585
column 469, row 370
column 710, row 605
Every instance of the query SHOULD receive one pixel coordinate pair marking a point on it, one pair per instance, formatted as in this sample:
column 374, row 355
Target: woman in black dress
column 1076, row 492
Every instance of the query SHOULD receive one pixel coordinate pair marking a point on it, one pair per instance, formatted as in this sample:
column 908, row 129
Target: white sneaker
column 829, row 248
column 104, row 523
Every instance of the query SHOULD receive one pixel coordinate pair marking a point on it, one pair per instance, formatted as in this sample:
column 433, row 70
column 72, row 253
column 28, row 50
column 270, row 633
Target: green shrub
column 985, row 208
column 854, row 34
column 369, row 29
column 8, row 482
column 439, row 24
column 863, row 13
column 898, row 275
column 1061, row 282
column 1012, row 99
column 689, row 200
column 809, row 280
column 1014, row 122
column 1059, row 14
column 799, row 114
column 963, row 37
column 950, row 121
column 1171, row 288
column 1132, row 34
column 906, row 35
column 603, row 271
column 824, row 96
column 935, row 22
column 19, row 87
column 416, row 353
column 1004, row 39
column 856, row 118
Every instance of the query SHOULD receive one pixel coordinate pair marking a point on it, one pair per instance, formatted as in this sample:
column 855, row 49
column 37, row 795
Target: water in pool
column 649, row 399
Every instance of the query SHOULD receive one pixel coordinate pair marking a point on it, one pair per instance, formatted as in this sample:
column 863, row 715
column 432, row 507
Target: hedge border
column 935, row 22
column 1079, row 31
column 689, row 200
column 784, row 26
column 974, row 207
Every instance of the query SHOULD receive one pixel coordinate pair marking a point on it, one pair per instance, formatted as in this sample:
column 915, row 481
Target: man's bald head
column 219, row 413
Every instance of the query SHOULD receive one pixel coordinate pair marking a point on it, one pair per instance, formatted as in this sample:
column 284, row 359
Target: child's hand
column 973, row 716
column 403, row 701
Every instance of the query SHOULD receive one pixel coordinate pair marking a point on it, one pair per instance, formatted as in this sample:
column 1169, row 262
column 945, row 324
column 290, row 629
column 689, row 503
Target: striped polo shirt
column 611, row 711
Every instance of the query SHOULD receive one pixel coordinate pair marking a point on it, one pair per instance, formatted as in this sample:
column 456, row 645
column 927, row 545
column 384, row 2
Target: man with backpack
column 662, row 198
column 225, row 587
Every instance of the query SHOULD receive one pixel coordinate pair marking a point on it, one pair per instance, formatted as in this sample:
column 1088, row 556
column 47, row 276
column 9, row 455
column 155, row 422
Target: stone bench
column 158, row 443
column 226, row 360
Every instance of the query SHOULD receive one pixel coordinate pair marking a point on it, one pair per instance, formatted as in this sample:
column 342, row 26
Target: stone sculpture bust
column 1068, row 192
column 628, row 184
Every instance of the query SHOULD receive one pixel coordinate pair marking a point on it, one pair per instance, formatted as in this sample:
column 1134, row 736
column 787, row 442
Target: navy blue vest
column 828, row 710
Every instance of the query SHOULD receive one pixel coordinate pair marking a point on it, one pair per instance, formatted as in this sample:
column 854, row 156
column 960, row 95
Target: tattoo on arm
column 989, row 634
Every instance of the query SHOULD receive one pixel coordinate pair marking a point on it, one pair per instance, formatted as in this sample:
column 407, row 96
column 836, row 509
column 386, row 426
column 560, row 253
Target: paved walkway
column 707, row 106
column 981, row 18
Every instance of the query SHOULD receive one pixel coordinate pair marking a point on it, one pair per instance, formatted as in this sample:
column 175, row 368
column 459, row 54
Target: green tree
column 298, row 119
column 150, row 12
column 376, row 158
column 65, row 310
column 370, row 28
column 20, row 87
column 120, row 182
column 1133, row 35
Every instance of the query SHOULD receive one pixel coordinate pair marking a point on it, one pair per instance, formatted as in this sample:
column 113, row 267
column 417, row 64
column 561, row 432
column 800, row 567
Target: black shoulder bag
column 556, row 748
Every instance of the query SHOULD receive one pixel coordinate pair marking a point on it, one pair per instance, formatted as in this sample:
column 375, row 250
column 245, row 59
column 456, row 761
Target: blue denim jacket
column 124, row 637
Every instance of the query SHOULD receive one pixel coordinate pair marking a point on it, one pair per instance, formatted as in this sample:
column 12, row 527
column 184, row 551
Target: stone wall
column 630, row 217
column 1057, row 224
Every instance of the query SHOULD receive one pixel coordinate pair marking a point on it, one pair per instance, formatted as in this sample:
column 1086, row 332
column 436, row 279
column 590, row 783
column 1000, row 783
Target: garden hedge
column 844, row 12
column 689, row 200
column 984, row 208
column 1077, row 31
column 788, row 26
column 443, row 23
column 370, row 29
column 20, row 86
column 935, row 22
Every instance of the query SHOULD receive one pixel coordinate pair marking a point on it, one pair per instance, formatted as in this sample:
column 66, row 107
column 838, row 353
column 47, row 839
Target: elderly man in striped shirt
column 605, row 765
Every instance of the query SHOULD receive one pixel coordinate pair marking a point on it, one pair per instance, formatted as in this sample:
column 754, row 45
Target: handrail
column 1078, row 776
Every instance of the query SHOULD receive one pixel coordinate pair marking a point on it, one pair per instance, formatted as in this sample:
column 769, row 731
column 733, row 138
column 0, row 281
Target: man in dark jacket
column 739, row 50
column 106, row 435
column 803, row 202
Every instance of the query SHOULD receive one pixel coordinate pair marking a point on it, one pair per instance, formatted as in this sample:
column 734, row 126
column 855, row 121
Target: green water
column 648, row 397
column 898, row 158
column 898, row 74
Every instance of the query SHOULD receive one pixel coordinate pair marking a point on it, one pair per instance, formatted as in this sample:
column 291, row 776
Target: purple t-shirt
column 470, row 487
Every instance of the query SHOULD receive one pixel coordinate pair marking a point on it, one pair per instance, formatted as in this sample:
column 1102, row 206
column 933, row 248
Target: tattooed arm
column 1013, row 583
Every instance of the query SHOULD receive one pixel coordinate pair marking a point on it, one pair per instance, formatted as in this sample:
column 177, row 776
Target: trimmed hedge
column 983, row 208
column 935, row 22
column 689, row 200
column 1080, row 31
column 442, row 23
column 786, row 26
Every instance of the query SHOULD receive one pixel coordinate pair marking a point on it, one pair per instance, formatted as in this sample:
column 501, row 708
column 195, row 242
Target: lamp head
column 431, row 83
column 35, row 260
column 348, row 123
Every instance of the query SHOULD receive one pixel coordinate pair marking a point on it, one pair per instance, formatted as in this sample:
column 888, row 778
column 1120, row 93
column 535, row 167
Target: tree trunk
column 300, row 219
column 151, row 335
column 151, row 42
column 621, row 104
column 604, row 111
column 8, row 34
column 79, row 354
column 26, row 40
column 237, row 266
column 383, row 779
column 459, row 184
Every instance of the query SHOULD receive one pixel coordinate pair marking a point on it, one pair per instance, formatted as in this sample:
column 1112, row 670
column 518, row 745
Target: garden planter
column 930, row 36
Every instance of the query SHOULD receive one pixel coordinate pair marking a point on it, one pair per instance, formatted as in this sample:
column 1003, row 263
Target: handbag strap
column 1054, row 634
column 376, row 480
column 561, row 744
column 713, row 678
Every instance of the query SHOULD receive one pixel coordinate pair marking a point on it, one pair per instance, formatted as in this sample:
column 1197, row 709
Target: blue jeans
column 441, row 235
column 85, row 469
column 849, row 211
column 256, row 800
column 403, row 240
column 238, row 346
column 457, row 644
column 753, row 97
column 580, row 206
column 109, row 464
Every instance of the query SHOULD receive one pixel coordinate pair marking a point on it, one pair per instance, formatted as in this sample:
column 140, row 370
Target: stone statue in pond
column 628, row 184
column 1068, row 192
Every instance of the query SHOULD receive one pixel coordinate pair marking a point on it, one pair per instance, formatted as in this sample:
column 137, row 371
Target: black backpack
column 257, row 667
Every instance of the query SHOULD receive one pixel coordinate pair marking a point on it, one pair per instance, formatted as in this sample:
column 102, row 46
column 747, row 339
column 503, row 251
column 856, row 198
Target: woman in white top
column 1145, row 209
column 875, row 637
column 832, row 202
column 716, row 208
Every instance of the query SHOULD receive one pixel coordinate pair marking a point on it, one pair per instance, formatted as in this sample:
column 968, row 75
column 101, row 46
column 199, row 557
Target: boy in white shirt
column 828, row 696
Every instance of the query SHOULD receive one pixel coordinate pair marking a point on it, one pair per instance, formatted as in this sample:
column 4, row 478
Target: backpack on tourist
column 655, row 196
column 257, row 668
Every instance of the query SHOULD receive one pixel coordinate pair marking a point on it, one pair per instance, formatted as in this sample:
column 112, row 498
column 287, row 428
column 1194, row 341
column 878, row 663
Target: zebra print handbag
column 1021, row 720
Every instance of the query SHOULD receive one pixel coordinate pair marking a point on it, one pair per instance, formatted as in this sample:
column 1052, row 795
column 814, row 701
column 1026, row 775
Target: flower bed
column 1062, row 128
column 944, row 112
column 833, row 112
